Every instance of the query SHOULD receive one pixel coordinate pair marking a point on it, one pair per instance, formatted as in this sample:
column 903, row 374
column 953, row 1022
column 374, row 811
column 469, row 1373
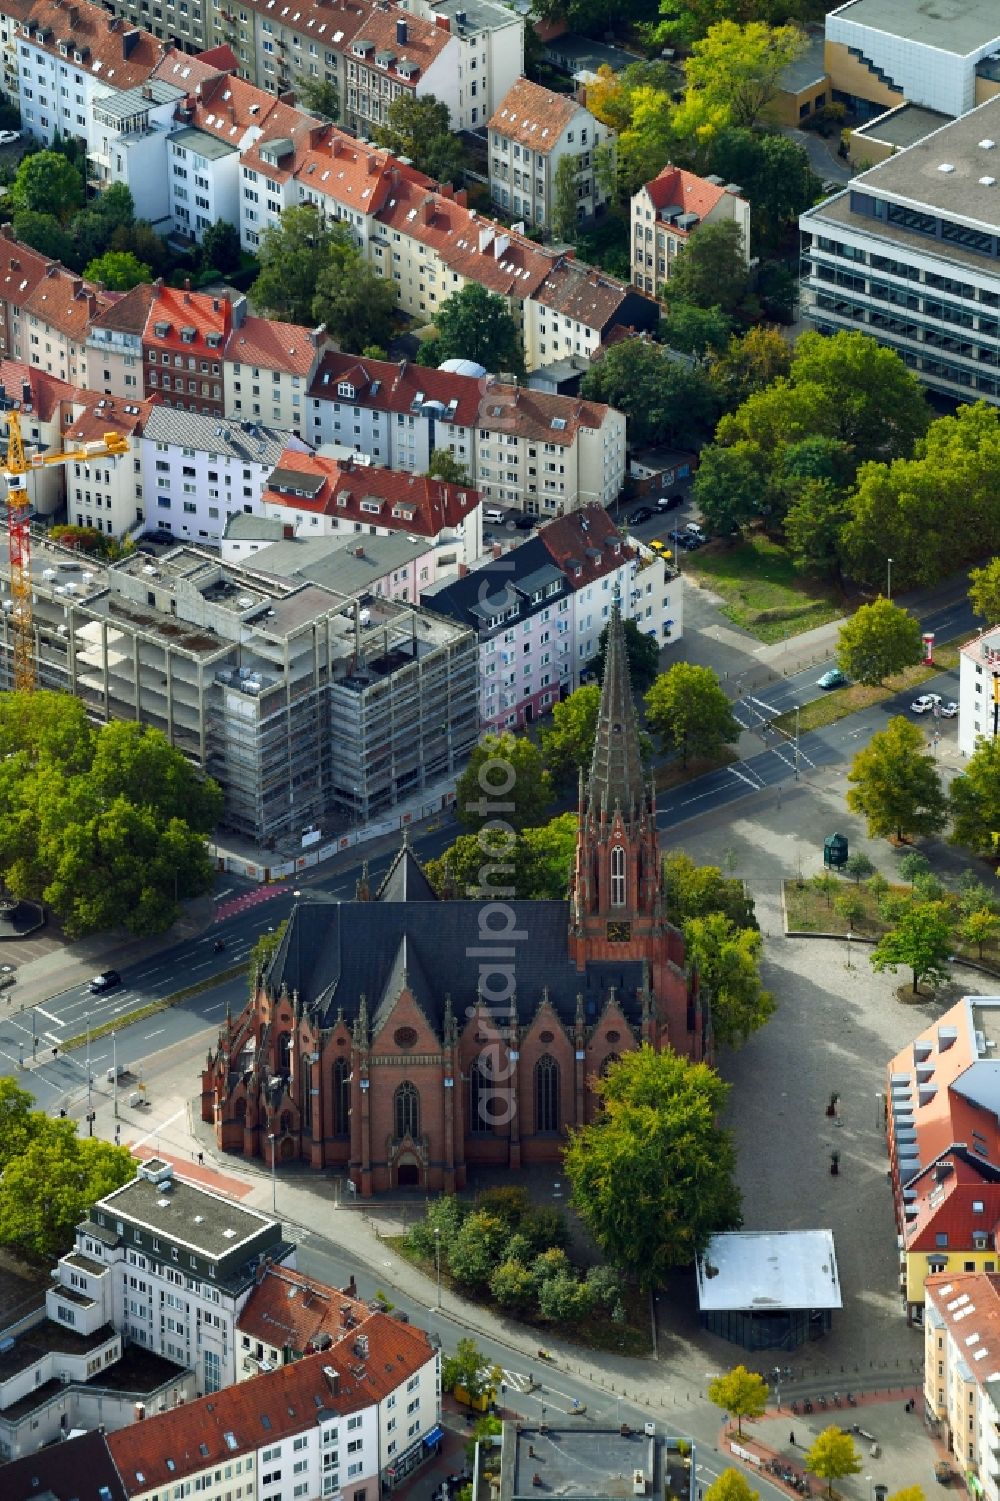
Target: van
column 694, row 530
column 493, row 513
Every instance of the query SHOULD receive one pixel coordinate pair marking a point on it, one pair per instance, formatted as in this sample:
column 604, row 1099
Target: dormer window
column 187, row 334
column 161, row 330
column 373, row 507
column 345, row 388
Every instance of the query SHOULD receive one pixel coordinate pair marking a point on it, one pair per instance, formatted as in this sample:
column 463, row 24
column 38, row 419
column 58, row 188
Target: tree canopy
column 533, row 864
column 984, row 591
column 444, row 466
column 975, row 799
column 504, row 780
column 728, row 960
column 319, row 97
column 832, row 1456
column 291, row 255
column 664, row 400
column 419, row 128
column 357, row 305
column 118, row 270
column 106, row 825
column 220, row 246
column 895, row 784
column 733, row 76
column 475, row 324
column 731, row 1485
column 641, row 650
column 775, row 176
column 652, row 1175
column 690, row 713
column 712, row 272
column 920, row 938
column 740, row 1393
column 567, row 741
column 700, row 890
column 878, row 640
column 47, row 183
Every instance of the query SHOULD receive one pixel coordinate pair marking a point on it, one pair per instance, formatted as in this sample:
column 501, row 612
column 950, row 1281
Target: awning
column 434, row 1437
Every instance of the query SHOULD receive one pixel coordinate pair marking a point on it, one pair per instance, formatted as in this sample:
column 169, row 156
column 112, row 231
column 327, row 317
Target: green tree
column 146, row 245
column 477, row 1249
column 545, row 859
column 664, row 401
column 512, row 1286
column 483, row 1428
column 712, row 272
column 700, row 890
column 420, row 128
column 652, row 1175
column 733, row 76
column 731, row 1485
column 564, row 218
column 220, row 246
column 357, row 305
column 44, row 233
column 975, row 800
column 118, row 270
column 728, row 960
column 881, row 405
column 749, row 364
column 49, row 1187
column 476, row 865
column 859, row 867
column 878, row 641
column 292, row 254
column 475, row 324
column 567, row 742
column 468, row 1367
column 913, row 866
column 775, row 176
column 832, row 1456
column 727, row 487
column 850, row 905
column 505, row 780
column 740, row 1393
column 19, row 1121
column 261, row 953
column 695, row 330
column 895, row 784
column 688, row 710
column 908, row 1493
column 814, row 524
column 319, row 97
column 979, row 928
column 445, row 466
column 46, row 183
column 116, row 205
column 921, row 940
column 984, row 591
column 564, row 1299
column 641, row 650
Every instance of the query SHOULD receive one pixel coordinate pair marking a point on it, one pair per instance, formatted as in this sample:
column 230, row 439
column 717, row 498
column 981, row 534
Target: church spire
column 616, row 774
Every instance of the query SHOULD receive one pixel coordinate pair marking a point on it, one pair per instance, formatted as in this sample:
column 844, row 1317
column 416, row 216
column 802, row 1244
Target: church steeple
column 617, row 780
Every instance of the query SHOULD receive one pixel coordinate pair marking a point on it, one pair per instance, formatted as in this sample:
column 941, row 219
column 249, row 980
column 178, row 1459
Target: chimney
column 187, row 289
column 333, row 1380
column 130, row 40
column 373, row 165
column 238, row 312
column 427, row 210
column 216, row 304
column 462, row 198
column 400, row 33
column 76, row 286
column 26, row 391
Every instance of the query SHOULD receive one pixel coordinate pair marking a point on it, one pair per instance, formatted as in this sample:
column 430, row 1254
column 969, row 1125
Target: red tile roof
column 128, row 313
column 969, row 1304
column 65, row 302
column 410, row 502
column 94, row 415
column 582, row 293
column 945, row 1194
column 181, row 309
column 47, row 391
column 385, row 386
column 585, row 537
column 21, row 268
column 113, row 50
column 424, row 43
column 674, row 187
column 289, row 1309
column 335, row 166
column 222, row 57
column 166, row 1448
column 275, row 345
column 537, row 414
column 532, row 115
column 186, row 72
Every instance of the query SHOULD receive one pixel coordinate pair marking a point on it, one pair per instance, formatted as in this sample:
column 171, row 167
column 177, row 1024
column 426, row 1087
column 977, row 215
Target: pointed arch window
column 609, row 1063
column 407, row 1110
column 305, row 1096
column 546, row 1094
column 618, row 876
column 480, row 1097
column 342, row 1097
column 284, row 1053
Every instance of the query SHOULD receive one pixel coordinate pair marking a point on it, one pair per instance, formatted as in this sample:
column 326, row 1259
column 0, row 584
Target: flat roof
column 837, row 212
column 957, row 26
column 942, row 171
column 808, row 68
column 765, row 1271
column 208, row 146
column 903, row 126
column 586, row 1464
column 205, row 1222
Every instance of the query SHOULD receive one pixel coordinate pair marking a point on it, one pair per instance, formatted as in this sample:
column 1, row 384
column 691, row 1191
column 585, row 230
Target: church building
column 401, row 1037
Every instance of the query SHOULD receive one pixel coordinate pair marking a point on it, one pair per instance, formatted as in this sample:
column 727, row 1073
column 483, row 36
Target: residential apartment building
column 45, row 407
column 106, row 494
column 382, row 696
column 909, row 253
column 961, row 1371
column 322, row 496
column 127, row 143
column 267, row 370
column 397, row 566
column 182, row 349
column 491, row 50
column 534, row 129
column 289, row 1315
column 520, row 447
column 539, row 611
column 114, row 345
column 943, row 1136
column 667, row 211
column 880, row 52
column 45, row 311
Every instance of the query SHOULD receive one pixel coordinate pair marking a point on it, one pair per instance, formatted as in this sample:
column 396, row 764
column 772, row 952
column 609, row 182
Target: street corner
column 195, row 1169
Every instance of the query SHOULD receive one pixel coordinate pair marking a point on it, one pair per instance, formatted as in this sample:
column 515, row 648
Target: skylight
column 231, row 1441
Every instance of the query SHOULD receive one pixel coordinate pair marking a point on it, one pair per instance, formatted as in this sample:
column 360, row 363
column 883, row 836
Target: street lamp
column 272, row 1138
column 114, row 1071
column 796, row 742
column 850, row 935
column 869, row 1480
column 437, row 1263
column 888, row 579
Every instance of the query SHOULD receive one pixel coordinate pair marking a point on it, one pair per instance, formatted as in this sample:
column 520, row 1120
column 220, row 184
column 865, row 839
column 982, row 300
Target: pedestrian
column 201, row 1159
column 791, row 1439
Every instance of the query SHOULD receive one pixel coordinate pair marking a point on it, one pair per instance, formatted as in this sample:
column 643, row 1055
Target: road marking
column 761, row 704
column 49, row 1017
column 147, row 1035
column 746, row 779
column 196, row 967
column 52, row 1037
column 158, row 1130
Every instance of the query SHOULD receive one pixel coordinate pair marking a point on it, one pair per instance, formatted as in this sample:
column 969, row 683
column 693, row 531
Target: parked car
column 159, row 534
column 926, row 703
column 493, row 513
column 106, row 980
column 694, row 530
column 525, row 523
column 670, row 502
column 948, row 710
column 832, row 679
column 642, row 513
column 8, row 137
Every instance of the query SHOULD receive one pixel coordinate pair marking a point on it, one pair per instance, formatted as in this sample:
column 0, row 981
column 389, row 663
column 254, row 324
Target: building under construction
column 308, row 706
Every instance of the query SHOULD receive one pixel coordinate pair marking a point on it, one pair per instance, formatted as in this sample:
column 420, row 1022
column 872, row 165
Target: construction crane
column 16, row 468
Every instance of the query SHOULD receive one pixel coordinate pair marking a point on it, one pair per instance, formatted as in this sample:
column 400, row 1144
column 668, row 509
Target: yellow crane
column 16, row 468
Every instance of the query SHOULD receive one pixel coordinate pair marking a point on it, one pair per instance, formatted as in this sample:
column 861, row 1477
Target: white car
column 8, row 137
column 933, row 703
column 948, row 710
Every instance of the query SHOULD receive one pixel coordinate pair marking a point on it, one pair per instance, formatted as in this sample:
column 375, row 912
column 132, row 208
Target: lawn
column 761, row 589
column 810, row 910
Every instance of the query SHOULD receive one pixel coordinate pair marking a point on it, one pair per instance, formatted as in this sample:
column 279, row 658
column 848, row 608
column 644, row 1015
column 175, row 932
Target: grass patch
column 596, row 1332
column 761, row 589
column 809, row 910
column 142, row 1012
